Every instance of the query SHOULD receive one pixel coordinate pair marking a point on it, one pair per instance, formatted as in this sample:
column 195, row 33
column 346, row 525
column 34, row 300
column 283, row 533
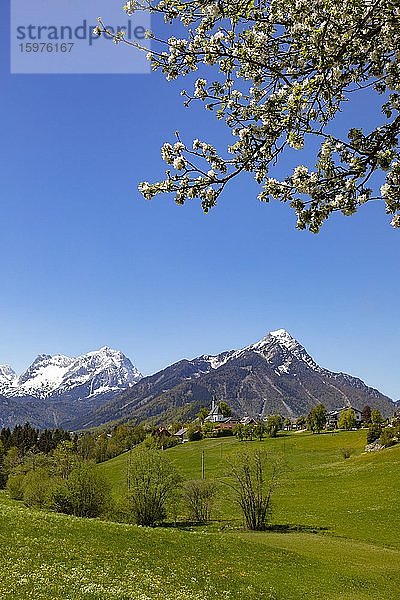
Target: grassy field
column 356, row 498
column 353, row 554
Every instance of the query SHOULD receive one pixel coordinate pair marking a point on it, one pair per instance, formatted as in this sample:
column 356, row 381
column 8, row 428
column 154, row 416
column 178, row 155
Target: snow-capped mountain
column 280, row 341
column 274, row 375
column 43, row 377
column 276, row 344
column 61, row 387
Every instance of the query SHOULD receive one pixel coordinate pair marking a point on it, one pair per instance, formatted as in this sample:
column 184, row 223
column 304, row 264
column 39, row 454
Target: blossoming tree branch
column 280, row 73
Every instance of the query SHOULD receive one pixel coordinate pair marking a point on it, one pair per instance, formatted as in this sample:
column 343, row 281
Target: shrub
column 387, row 436
column 60, row 499
column 88, row 493
column 208, row 429
column 396, row 429
column 259, row 430
column 166, row 441
column 119, row 509
column 346, row 452
column 37, row 487
column 199, row 495
column 224, row 432
column 151, row 480
column 376, row 418
column 194, row 434
column 15, row 486
column 239, row 431
column 175, row 504
column 255, row 475
column 3, row 478
column 373, row 433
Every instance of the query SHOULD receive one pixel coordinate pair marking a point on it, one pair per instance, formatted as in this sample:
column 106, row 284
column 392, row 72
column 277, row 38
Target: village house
column 333, row 417
column 162, row 431
column 181, row 434
column 248, row 421
column 228, row 423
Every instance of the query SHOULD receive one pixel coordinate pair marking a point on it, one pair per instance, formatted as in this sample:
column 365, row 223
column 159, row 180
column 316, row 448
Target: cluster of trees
column 25, row 438
column 64, row 478
column 247, row 432
column 107, row 444
column 26, row 448
column 379, row 430
column 270, row 427
column 200, row 428
column 155, row 486
column 60, row 480
column 63, row 481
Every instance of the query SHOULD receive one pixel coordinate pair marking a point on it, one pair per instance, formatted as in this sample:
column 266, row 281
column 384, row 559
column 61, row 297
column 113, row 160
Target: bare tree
column 199, row 495
column 255, row 475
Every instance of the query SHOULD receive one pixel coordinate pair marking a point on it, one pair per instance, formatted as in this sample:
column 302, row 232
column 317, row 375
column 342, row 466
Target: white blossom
column 179, row 163
column 278, row 74
column 395, row 222
column 130, row 7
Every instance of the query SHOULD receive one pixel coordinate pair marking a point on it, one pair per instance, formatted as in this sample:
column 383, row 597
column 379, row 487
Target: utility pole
column 128, row 470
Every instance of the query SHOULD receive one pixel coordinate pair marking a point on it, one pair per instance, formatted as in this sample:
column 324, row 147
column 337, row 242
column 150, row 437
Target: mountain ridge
column 275, row 374
column 56, row 388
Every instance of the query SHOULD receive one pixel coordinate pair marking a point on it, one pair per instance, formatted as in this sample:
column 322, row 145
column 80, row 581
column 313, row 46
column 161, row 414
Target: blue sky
column 87, row 262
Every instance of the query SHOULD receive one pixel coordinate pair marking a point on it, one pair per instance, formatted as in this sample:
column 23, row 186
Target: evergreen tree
column 366, row 414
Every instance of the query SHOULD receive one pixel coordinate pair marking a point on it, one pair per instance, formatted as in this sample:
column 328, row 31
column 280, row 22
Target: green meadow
column 334, row 534
column 356, row 497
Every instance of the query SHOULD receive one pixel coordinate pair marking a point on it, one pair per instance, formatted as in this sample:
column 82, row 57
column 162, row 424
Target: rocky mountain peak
column 102, row 371
column 281, row 348
column 46, row 372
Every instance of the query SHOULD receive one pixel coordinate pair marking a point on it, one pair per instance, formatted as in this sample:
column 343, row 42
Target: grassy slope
column 48, row 556
column 355, row 498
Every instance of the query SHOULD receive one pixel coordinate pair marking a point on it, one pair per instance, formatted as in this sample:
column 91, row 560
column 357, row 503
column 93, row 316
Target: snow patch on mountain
column 8, row 377
column 282, row 340
column 44, row 375
column 220, row 359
